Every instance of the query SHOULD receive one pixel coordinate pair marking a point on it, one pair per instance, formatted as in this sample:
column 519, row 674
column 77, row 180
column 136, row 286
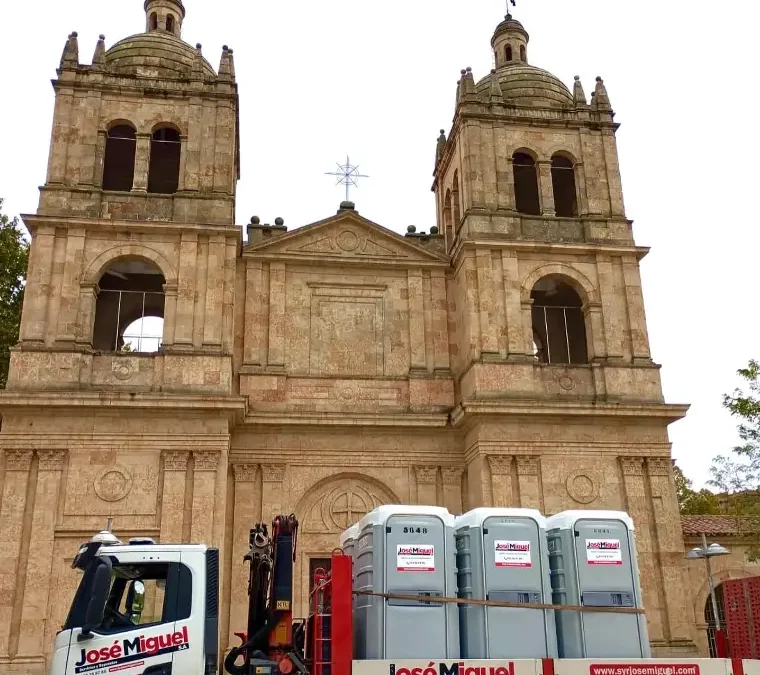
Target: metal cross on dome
column 347, row 175
column 514, row 4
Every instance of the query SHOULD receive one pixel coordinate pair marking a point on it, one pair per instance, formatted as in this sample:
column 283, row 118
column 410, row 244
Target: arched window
column 508, row 52
column 456, row 203
column 170, row 23
column 447, row 220
column 129, row 313
column 563, row 181
column 119, row 163
column 559, row 327
column 523, row 54
column 165, row 150
column 526, row 184
column 154, row 21
column 710, row 619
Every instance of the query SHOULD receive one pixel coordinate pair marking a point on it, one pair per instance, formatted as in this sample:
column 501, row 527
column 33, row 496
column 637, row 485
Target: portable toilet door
column 502, row 556
column 602, row 551
column 408, row 551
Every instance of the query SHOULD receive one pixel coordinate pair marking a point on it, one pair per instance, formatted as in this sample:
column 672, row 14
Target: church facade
column 188, row 379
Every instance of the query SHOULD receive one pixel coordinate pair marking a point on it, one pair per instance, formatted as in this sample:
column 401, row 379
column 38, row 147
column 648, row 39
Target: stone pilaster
column 69, row 293
column 272, row 477
column 188, row 256
column 516, row 340
column 427, row 485
column 39, row 568
column 637, row 508
column 452, row 488
column 416, row 320
column 18, row 464
column 205, row 465
column 669, row 542
column 173, row 497
column 246, row 513
column 528, row 472
column 212, row 325
column 501, row 480
column 37, row 293
column 170, row 313
column 142, row 163
column 546, row 188
column 440, row 320
column 488, row 324
column 277, row 296
column 253, row 340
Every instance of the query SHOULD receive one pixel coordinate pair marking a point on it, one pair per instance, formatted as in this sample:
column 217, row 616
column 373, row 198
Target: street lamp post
column 708, row 552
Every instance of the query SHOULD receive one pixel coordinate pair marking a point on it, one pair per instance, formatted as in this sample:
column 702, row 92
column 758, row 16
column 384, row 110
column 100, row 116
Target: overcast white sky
column 376, row 80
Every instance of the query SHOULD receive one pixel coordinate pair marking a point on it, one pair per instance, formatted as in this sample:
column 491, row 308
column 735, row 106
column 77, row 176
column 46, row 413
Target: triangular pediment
column 347, row 236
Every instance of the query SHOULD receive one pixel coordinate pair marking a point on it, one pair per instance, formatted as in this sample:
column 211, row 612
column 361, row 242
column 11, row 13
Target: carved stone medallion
column 582, row 487
column 113, row 483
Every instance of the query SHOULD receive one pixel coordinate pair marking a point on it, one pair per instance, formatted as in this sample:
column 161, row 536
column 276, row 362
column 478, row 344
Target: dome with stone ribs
column 526, row 85
column 155, row 55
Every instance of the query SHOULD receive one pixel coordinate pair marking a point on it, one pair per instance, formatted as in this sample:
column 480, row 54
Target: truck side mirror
column 136, row 601
column 101, row 585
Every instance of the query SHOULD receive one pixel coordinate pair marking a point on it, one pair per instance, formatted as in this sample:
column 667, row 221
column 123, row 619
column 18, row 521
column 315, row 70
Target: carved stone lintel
column 452, row 475
column 18, row 460
column 206, row 461
column 51, row 460
column 659, row 466
column 426, row 474
column 175, row 461
column 632, row 466
column 528, row 466
column 501, row 465
column 245, row 473
column 273, row 473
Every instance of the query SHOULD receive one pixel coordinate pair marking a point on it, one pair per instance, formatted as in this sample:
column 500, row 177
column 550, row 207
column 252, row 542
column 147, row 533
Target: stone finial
column 232, row 65
column 440, row 147
column 99, row 57
column 225, row 65
column 579, row 96
column 594, row 102
column 467, row 85
column 70, row 56
column 602, row 99
column 496, row 95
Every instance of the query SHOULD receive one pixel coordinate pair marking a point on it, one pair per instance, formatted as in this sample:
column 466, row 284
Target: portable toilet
column 502, row 555
column 406, row 550
column 593, row 562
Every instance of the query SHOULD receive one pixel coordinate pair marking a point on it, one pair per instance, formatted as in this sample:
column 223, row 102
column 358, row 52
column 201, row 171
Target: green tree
column 693, row 502
column 737, row 477
column 14, row 255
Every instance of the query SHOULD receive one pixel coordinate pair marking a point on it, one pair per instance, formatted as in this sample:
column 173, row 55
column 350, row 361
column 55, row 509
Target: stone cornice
column 350, row 419
column 234, row 406
column 468, row 410
column 489, row 242
column 33, row 222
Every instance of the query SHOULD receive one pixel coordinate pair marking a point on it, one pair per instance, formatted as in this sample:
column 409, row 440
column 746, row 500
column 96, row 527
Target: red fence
column 741, row 599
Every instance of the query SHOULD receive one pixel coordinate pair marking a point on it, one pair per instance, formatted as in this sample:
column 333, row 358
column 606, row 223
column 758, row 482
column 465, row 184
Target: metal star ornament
column 347, row 175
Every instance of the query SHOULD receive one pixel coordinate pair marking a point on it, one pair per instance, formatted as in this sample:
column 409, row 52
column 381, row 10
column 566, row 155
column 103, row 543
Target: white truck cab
column 141, row 608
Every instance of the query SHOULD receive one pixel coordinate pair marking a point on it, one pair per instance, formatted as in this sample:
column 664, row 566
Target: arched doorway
column 710, row 619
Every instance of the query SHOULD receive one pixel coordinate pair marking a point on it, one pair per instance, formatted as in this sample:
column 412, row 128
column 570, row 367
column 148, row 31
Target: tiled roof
column 714, row 525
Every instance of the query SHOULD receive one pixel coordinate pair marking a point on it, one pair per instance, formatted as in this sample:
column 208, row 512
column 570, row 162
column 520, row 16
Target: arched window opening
column 456, row 203
column 170, row 23
column 129, row 313
column 154, row 21
column 526, row 184
column 119, row 163
column 447, row 220
column 165, row 150
column 508, row 52
column 563, row 181
column 559, row 327
column 523, row 54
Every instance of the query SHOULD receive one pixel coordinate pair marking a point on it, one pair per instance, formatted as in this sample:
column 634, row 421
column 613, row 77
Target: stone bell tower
column 558, row 398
